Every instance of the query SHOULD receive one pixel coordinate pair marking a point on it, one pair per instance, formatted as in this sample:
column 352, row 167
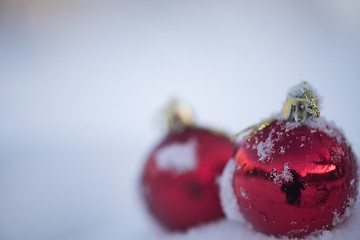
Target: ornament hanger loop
column 313, row 108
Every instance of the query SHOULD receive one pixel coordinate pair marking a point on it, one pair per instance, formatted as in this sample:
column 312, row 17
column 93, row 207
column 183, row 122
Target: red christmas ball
column 292, row 179
column 179, row 177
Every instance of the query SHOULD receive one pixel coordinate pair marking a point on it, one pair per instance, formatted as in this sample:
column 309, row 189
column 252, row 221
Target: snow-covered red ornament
column 293, row 174
column 179, row 177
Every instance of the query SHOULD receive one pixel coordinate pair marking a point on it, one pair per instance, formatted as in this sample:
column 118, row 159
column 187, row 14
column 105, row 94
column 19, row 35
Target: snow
column 227, row 195
column 350, row 203
column 327, row 127
column 227, row 229
column 318, row 124
column 299, row 90
column 179, row 157
column 352, row 183
column 336, row 219
column 296, row 91
column 290, row 125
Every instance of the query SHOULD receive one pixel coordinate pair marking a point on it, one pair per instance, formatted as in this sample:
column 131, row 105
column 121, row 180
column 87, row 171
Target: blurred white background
column 82, row 85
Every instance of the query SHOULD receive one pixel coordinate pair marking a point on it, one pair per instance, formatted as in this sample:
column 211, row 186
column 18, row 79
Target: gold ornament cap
column 178, row 116
column 301, row 102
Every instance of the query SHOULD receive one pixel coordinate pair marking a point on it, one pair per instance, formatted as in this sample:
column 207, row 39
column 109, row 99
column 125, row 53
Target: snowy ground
column 82, row 85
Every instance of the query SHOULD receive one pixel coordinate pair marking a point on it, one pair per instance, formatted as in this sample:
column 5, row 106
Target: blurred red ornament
column 295, row 177
column 179, row 177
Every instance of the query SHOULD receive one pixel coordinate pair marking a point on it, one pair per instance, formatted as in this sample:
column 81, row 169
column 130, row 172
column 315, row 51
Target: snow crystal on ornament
column 265, row 149
column 297, row 90
column 300, row 90
column 290, row 126
column 227, row 196
column 243, row 193
column 282, row 150
column 284, row 176
column 336, row 219
column 352, row 183
column 329, row 128
column 317, row 124
column 348, row 211
column 180, row 157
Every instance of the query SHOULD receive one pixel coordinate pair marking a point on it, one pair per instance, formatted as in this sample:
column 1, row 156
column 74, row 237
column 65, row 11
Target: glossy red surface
column 180, row 201
column 305, row 180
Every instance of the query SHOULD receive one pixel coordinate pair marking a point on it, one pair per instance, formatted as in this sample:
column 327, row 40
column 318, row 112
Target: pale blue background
column 82, row 85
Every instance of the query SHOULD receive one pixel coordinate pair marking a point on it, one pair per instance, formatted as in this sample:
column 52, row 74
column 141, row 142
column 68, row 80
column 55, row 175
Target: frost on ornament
column 338, row 218
column 265, row 148
column 179, row 157
column 321, row 124
column 284, row 176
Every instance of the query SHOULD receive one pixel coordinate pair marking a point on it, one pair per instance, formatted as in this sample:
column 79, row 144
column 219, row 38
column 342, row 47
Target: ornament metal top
column 178, row 116
column 300, row 103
